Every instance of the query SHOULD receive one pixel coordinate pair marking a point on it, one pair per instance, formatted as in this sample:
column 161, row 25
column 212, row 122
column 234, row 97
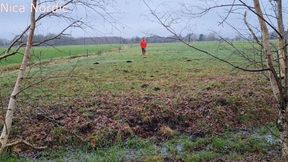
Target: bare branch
column 26, row 143
column 169, row 29
column 261, row 17
column 250, row 29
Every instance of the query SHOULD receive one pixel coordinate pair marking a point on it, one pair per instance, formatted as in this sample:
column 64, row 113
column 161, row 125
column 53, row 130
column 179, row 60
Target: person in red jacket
column 143, row 45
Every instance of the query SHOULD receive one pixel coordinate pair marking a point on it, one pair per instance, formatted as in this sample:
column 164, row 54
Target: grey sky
column 133, row 19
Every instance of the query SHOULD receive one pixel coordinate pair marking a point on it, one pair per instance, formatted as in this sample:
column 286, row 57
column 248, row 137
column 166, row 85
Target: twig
column 26, row 143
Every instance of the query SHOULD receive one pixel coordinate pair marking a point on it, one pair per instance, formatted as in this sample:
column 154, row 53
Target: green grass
column 132, row 149
column 168, row 70
column 231, row 146
column 202, row 156
column 51, row 53
column 165, row 65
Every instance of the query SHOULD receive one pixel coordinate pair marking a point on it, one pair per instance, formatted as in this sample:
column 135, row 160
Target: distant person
column 143, row 45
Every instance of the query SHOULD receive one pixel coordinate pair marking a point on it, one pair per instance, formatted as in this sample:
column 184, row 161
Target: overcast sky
column 131, row 18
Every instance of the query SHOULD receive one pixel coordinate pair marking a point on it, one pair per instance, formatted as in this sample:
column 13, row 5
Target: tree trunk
column 12, row 101
column 281, row 39
column 278, row 90
column 283, row 128
column 274, row 80
column 282, row 117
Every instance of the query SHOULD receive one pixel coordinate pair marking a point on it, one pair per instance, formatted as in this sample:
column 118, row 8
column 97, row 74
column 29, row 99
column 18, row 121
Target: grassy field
column 174, row 104
column 50, row 53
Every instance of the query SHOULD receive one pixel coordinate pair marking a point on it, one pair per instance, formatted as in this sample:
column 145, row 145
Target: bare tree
column 12, row 102
column 275, row 63
column 97, row 6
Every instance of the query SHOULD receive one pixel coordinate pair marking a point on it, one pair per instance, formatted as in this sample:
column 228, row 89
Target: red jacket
column 143, row 43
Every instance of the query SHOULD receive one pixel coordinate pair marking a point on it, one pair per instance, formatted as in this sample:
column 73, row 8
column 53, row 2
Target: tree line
column 69, row 40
